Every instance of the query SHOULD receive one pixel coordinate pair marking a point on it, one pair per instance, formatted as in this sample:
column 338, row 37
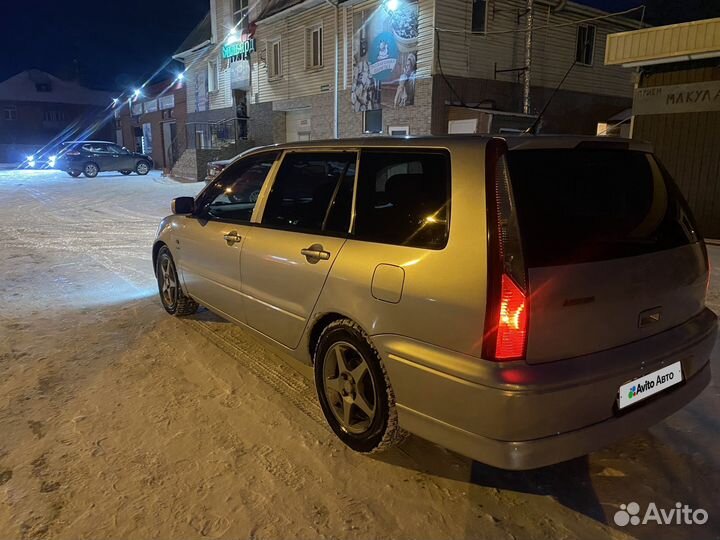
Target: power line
column 523, row 30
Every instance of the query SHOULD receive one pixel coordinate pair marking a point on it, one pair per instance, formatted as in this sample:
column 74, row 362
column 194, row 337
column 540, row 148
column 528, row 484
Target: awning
column 694, row 40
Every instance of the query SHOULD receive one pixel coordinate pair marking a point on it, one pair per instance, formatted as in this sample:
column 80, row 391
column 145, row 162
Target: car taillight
column 512, row 321
column 506, row 315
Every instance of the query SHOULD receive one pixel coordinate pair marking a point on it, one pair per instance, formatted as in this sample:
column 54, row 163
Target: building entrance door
column 169, row 135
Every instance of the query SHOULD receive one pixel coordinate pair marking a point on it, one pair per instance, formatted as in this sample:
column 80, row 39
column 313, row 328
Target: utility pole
column 336, row 115
column 528, row 57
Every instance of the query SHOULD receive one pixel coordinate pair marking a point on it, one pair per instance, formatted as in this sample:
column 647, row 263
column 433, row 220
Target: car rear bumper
column 517, row 416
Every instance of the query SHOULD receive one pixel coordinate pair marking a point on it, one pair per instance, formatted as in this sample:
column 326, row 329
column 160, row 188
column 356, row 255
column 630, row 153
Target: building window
column 240, row 14
column 372, row 121
column 212, row 76
column 479, row 15
column 274, row 60
column 10, row 113
column 585, row 46
column 314, row 47
column 54, row 116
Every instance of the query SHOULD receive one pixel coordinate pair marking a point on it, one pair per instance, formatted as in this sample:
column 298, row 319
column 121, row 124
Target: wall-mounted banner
column 679, row 98
column 202, row 98
column 385, row 45
column 239, row 50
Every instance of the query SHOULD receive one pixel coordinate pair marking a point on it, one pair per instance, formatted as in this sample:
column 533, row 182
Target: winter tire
column 142, row 168
column 91, row 170
column 172, row 296
column 354, row 390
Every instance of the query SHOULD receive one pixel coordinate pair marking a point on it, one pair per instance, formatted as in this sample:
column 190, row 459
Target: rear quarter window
column 403, row 198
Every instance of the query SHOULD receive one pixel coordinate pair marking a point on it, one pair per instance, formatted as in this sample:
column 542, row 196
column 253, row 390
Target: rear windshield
column 583, row 205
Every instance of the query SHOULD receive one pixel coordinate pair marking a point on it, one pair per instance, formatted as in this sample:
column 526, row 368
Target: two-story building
column 39, row 109
column 217, row 82
column 416, row 67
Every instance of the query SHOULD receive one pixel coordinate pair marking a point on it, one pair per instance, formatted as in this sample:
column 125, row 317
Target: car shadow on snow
column 661, row 466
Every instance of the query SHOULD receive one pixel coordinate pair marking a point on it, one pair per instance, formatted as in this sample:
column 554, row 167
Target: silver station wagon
column 521, row 301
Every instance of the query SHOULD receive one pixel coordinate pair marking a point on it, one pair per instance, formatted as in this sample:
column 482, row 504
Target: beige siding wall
column 197, row 62
column 471, row 55
column 194, row 63
column 296, row 80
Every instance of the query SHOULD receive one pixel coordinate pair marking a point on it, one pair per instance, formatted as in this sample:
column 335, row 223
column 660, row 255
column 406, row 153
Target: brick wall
column 268, row 126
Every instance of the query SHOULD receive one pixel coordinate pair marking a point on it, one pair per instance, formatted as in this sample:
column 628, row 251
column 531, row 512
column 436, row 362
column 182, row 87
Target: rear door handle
column 316, row 253
column 232, row 237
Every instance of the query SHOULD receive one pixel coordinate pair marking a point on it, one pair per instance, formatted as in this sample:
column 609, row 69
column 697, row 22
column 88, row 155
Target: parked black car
column 93, row 157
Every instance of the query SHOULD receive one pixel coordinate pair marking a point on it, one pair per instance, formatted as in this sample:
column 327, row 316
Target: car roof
column 514, row 142
column 86, row 142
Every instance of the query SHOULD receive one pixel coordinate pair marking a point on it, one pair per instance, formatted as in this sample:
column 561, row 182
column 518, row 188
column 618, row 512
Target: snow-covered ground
column 118, row 421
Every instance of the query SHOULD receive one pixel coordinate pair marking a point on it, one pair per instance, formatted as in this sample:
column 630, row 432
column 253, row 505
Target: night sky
column 120, row 43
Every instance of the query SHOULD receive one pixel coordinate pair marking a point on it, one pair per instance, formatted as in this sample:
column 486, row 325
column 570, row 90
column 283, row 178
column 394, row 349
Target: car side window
column 234, row 194
column 114, row 149
column 312, row 193
column 403, row 198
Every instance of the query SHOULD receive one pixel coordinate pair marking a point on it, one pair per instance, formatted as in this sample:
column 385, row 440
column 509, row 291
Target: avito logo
column 629, row 514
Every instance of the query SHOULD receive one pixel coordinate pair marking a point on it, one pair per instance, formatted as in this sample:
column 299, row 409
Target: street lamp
column 392, row 5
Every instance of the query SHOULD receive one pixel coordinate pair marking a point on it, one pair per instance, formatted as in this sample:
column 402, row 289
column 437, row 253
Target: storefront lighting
column 233, row 36
column 181, row 77
column 137, row 93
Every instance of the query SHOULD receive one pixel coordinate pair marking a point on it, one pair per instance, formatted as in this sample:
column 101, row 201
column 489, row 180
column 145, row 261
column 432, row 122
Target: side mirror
column 125, row 150
column 183, row 205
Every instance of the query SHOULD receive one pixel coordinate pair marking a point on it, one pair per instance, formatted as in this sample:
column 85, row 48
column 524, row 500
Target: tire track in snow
column 278, row 375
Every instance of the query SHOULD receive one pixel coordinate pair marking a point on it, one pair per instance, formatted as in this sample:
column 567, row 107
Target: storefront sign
column 239, row 49
column 680, row 98
column 151, row 106
column 167, row 102
column 385, row 43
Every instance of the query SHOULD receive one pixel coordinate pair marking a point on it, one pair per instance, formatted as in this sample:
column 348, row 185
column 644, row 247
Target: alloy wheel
column 349, row 388
column 168, row 282
column 142, row 168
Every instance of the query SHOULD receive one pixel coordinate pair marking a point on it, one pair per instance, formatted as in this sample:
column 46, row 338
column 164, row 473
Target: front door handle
column 232, row 237
column 315, row 253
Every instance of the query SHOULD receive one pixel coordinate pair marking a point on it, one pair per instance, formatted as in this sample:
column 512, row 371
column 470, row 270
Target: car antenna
column 532, row 130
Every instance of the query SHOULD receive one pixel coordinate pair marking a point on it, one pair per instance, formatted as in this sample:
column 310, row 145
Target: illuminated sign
column 239, row 49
